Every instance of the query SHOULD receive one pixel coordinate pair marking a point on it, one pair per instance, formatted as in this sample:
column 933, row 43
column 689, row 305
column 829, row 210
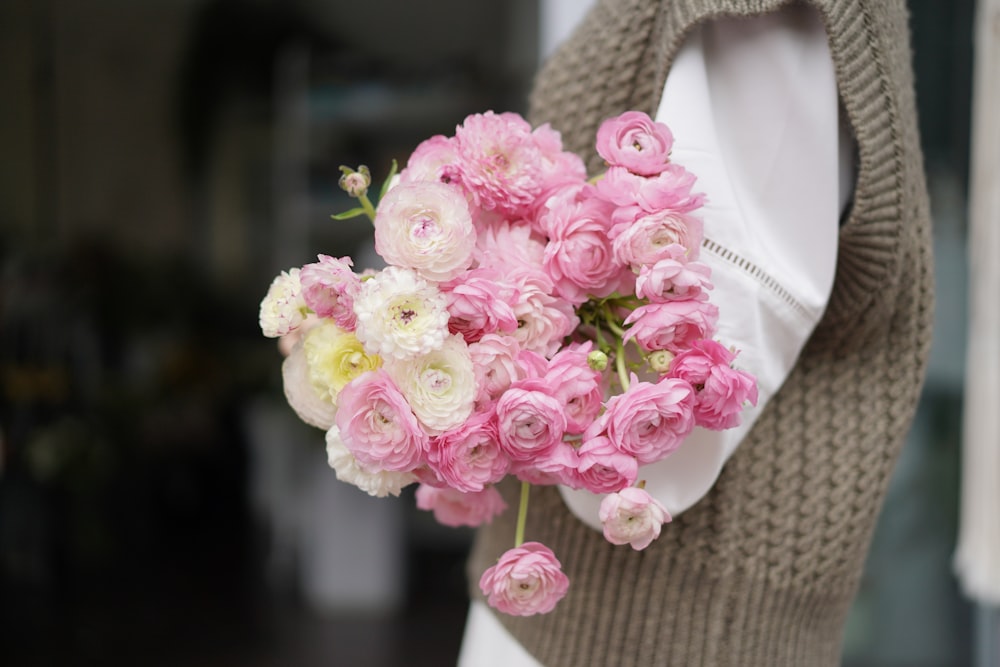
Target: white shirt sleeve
column 753, row 107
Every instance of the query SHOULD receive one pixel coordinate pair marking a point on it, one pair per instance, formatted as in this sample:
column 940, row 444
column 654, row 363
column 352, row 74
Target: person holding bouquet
column 798, row 120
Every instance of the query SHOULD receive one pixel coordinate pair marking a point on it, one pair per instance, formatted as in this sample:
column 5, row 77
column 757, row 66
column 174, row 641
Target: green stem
column 611, row 321
column 522, row 515
column 620, row 365
column 366, row 204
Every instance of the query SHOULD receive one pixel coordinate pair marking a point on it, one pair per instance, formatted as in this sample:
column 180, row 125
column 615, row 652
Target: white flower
column 283, row 309
column 426, row 227
column 302, row 396
column 380, row 484
column 335, row 357
column 400, row 314
column 440, row 386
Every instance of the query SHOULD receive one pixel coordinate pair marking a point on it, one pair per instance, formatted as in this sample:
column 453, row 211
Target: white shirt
column 753, row 107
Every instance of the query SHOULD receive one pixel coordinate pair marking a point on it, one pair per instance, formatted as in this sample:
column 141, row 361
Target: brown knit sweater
column 762, row 570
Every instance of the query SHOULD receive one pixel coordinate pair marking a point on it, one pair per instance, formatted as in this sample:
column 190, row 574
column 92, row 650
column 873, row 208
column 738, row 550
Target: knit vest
column 761, row 571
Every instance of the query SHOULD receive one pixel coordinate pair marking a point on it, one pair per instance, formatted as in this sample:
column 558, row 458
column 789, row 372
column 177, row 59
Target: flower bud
column 355, row 183
column 597, row 360
column 660, row 360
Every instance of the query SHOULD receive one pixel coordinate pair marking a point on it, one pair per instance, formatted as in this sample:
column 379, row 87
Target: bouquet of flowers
column 529, row 321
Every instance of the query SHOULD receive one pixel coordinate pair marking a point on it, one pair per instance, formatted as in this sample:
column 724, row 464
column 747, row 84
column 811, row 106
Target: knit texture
column 762, row 571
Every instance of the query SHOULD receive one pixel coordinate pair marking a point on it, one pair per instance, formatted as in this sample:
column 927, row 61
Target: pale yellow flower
column 335, row 357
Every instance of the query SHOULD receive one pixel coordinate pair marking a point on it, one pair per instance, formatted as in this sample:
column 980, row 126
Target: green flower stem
column 522, row 514
column 366, row 204
column 620, row 365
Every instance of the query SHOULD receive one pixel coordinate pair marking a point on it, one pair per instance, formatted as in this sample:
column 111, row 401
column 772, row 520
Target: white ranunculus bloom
column 283, row 308
column 400, row 315
column 427, row 227
column 440, row 386
column 379, row 484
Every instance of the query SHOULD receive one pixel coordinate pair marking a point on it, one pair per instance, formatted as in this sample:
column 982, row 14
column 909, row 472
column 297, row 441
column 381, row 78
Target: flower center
column 424, row 226
column 435, row 380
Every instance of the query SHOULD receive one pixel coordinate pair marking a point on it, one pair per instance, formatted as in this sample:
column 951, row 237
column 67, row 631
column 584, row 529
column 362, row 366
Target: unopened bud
column 597, row 360
column 355, row 183
column 660, row 360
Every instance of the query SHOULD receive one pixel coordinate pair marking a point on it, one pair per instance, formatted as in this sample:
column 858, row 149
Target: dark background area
column 161, row 161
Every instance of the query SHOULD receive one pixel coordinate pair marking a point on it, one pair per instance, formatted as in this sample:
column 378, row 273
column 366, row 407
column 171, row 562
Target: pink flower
column 532, row 364
column 721, row 390
column 526, row 580
column 634, row 141
column 329, row 287
column 479, row 303
column 426, row 227
column 377, row 425
column 469, row 458
column 555, row 466
column 649, row 421
column 494, row 243
column 633, row 517
column 543, row 319
column 648, row 238
column 576, row 385
column 579, row 257
column 558, row 167
column 434, row 159
column 494, row 359
column 673, row 277
column 603, row 468
column 530, row 421
column 455, row 508
column 499, row 162
column 671, row 325
column 670, row 189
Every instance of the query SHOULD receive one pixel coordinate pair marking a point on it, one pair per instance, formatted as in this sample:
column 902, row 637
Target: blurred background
column 161, row 161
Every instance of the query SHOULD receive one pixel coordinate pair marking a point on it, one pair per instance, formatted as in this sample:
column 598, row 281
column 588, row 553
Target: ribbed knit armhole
column 627, row 68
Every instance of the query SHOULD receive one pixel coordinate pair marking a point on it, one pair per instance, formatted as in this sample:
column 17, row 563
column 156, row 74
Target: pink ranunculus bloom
column 377, row 425
column 525, row 581
column 673, row 277
column 456, row 508
column 603, row 468
column 648, row 239
column 499, row 162
column 532, row 364
column 556, row 466
column 670, row 189
column 561, row 195
column 479, row 303
column 427, row 227
column 469, row 458
column 530, row 420
column 632, row 516
column 579, row 257
column 649, row 421
column 558, row 167
column 329, row 287
column 543, row 319
column 577, row 385
column 434, row 159
column 494, row 359
column 495, row 241
column 671, row 325
column 635, row 141
column 721, row 390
